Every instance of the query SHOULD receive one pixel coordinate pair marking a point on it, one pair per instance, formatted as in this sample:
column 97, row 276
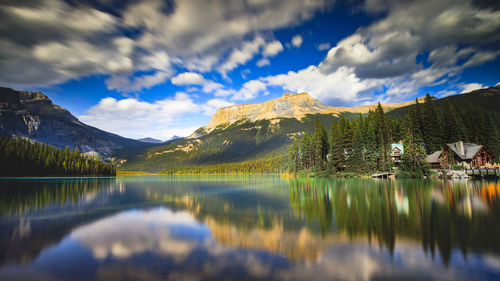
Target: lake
column 248, row 228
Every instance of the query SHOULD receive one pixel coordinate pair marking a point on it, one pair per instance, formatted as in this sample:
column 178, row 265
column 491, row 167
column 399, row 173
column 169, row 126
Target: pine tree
column 492, row 137
column 452, row 124
column 355, row 162
column 337, row 155
column 432, row 126
column 414, row 157
column 293, row 157
column 321, row 146
column 383, row 139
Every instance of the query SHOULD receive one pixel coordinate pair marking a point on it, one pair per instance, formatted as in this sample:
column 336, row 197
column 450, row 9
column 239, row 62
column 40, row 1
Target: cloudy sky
column 161, row 68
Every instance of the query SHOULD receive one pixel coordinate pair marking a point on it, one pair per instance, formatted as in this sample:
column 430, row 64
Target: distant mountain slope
column 34, row 116
column 150, row 140
column 487, row 99
column 242, row 132
column 287, row 106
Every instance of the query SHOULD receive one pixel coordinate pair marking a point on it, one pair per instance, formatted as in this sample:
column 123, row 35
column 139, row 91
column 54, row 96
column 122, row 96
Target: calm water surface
column 248, row 228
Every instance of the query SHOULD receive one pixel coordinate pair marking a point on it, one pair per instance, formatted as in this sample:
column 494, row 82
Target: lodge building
column 469, row 155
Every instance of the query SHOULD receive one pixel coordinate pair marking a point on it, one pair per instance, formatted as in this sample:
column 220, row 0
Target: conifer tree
column 432, row 126
column 337, row 156
column 321, row 145
column 355, row 161
column 293, row 157
column 414, row 156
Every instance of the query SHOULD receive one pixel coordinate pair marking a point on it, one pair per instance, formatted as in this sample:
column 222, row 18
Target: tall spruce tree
column 414, row 156
column 321, row 145
column 293, row 157
column 336, row 154
column 432, row 126
column 355, row 161
column 383, row 139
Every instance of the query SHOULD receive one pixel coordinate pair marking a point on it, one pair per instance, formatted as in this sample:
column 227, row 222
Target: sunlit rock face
column 33, row 115
column 287, row 106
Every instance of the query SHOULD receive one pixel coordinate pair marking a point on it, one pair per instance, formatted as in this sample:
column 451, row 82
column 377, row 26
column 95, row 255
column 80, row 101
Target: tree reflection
column 20, row 196
column 441, row 214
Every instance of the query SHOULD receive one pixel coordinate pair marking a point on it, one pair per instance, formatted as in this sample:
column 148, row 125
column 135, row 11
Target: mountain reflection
column 213, row 228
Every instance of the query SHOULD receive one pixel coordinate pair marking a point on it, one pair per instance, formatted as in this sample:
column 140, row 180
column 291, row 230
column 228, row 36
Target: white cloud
column 297, row 41
column 188, row 78
column 192, row 78
column 123, row 83
column 250, row 90
column 136, row 119
column 388, row 48
column 212, row 105
column 61, row 42
column 470, row 87
column 324, row 46
column 445, row 93
column 341, row 85
column 263, row 62
column 482, row 57
column 240, row 56
column 272, row 48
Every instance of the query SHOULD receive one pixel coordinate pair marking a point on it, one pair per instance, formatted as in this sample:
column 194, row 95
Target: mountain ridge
column 289, row 105
column 34, row 116
column 246, row 140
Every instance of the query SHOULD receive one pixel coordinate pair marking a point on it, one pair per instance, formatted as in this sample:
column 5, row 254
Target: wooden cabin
column 469, row 155
column 434, row 159
column 397, row 150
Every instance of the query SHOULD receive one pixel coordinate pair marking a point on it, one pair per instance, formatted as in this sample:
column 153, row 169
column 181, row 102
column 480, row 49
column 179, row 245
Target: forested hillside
column 466, row 117
column 362, row 145
column 19, row 157
column 242, row 141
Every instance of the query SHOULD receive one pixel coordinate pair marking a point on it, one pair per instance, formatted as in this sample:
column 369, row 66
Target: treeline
column 19, row 157
column 267, row 165
column 436, row 126
column 363, row 145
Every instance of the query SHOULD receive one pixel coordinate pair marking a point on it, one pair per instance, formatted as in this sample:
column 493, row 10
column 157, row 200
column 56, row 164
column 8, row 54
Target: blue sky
column 158, row 68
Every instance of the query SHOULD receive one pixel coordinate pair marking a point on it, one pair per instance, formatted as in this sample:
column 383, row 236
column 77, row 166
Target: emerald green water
column 248, row 228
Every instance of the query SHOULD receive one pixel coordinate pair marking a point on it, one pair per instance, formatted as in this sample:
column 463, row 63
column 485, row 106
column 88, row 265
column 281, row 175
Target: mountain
column 33, row 115
column 150, row 140
column 486, row 99
column 244, row 132
column 287, row 106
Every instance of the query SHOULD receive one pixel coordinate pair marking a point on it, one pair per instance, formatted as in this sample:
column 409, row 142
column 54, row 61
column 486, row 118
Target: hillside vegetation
column 19, row 157
column 247, row 141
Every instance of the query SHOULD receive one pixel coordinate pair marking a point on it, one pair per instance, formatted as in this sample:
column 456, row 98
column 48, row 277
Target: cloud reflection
column 126, row 234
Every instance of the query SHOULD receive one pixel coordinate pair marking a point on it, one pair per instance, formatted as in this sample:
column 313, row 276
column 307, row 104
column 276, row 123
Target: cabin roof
column 398, row 146
column 434, row 157
column 470, row 149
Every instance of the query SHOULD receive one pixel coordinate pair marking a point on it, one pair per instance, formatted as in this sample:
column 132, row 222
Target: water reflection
column 256, row 228
column 445, row 215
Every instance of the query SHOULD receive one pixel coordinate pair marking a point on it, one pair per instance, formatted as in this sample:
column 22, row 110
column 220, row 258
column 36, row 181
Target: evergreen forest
column 20, row 157
column 362, row 145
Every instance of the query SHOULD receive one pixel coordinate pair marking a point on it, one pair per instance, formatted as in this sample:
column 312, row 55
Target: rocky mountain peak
column 289, row 105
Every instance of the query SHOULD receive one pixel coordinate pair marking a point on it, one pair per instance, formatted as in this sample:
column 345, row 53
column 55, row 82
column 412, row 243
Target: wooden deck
column 385, row 175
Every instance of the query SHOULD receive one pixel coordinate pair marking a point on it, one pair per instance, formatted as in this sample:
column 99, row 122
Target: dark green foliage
column 431, row 129
column 293, row 157
column 19, row 157
column 244, row 140
column 336, row 151
column 355, row 146
column 241, row 141
column 267, row 165
column 414, row 157
column 321, row 145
